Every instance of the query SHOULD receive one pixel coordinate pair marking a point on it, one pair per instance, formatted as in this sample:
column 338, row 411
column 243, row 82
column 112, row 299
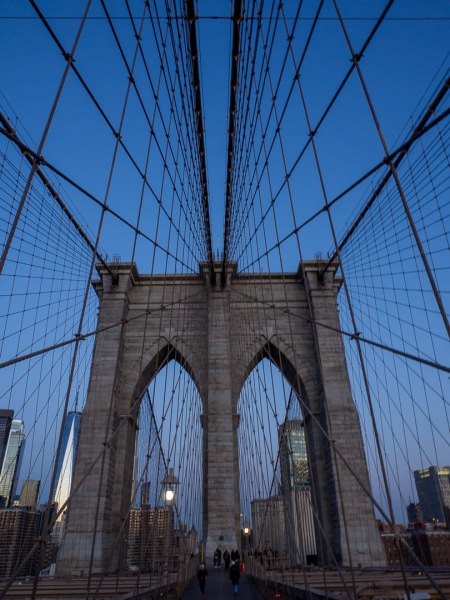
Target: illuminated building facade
column 151, row 539
column 296, row 491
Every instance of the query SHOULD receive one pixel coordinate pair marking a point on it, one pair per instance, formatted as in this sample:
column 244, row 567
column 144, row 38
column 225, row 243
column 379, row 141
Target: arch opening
column 275, row 483
column 165, row 523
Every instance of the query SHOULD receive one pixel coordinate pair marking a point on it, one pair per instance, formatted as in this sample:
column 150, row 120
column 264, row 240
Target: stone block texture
column 218, row 332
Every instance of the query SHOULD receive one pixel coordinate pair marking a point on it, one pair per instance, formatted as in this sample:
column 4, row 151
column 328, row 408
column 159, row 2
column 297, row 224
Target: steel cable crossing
column 189, row 224
column 265, row 215
column 246, row 228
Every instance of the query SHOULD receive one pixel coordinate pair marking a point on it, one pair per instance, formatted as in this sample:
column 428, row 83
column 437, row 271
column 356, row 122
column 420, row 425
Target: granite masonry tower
column 189, row 319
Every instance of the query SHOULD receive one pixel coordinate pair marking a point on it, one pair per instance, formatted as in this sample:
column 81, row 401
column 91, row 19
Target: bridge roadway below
column 219, row 587
column 277, row 583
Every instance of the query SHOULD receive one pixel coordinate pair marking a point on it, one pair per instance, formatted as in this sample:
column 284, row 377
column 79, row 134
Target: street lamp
column 246, row 531
column 169, row 484
column 246, row 528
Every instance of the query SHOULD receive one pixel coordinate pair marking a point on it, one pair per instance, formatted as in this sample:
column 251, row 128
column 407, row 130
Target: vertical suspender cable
column 191, row 18
column 237, row 18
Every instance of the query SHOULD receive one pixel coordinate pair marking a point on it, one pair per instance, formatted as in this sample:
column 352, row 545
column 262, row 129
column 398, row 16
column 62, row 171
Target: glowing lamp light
column 246, row 528
column 169, row 495
column 169, row 483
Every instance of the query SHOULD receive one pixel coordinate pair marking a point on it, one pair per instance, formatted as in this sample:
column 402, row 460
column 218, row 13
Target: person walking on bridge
column 235, row 575
column 202, row 575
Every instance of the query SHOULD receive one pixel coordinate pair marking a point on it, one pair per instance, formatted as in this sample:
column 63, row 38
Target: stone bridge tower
column 151, row 313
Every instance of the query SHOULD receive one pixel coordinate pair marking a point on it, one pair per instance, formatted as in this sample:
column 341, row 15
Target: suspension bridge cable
column 235, row 52
column 191, row 18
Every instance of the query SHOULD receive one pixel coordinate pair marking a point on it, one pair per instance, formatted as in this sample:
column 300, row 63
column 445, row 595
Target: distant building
column 415, row 516
column 151, row 539
column 268, row 524
column 296, row 492
column 12, row 462
column 6, row 418
column 432, row 548
column 433, row 490
column 19, row 529
column 66, row 457
column 186, row 542
column 294, row 456
column 30, row 492
column 145, row 494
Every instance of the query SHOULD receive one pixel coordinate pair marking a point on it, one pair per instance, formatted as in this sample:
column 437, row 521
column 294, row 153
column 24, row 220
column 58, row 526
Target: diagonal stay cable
column 316, row 128
column 418, row 131
column 83, row 336
column 183, row 140
column 31, row 157
column 416, row 135
column 85, row 86
column 28, row 152
column 140, row 98
column 352, row 336
column 69, row 61
column 355, row 60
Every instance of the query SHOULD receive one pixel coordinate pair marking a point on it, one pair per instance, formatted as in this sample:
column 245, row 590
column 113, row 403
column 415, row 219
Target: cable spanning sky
column 402, row 66
column 302, row 104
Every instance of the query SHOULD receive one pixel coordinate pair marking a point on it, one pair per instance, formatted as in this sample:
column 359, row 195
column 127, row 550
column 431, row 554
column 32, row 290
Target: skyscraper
column 433, row 489
column 30, row 492
column 268, row 524
column 6, row 417
column 293, row 456
column 68, row 446
column 296, row 492
column 64, row 469
column 11, row 463
column 151, row 538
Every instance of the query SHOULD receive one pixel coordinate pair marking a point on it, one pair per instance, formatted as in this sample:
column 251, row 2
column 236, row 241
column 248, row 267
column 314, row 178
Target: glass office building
column 433, row 489
column 12, row 461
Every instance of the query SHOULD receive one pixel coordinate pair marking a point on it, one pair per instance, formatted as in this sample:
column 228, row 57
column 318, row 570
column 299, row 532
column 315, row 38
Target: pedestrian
column 235, row 575
column 235, row 555
column 202, row 575
column 226, row 560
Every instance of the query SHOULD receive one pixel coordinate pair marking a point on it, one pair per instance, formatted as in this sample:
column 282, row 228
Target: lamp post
column 169, row 484
column 169, row 494
column 246, row 531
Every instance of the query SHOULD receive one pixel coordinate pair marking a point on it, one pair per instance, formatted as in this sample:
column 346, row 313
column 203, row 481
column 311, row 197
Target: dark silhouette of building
column 6, row 417
column 12, row 461
column 431, row 547
column 415, row 516
column 19, row 529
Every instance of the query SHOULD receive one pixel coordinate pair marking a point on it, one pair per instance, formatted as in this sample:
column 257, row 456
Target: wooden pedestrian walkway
column 218, row 587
